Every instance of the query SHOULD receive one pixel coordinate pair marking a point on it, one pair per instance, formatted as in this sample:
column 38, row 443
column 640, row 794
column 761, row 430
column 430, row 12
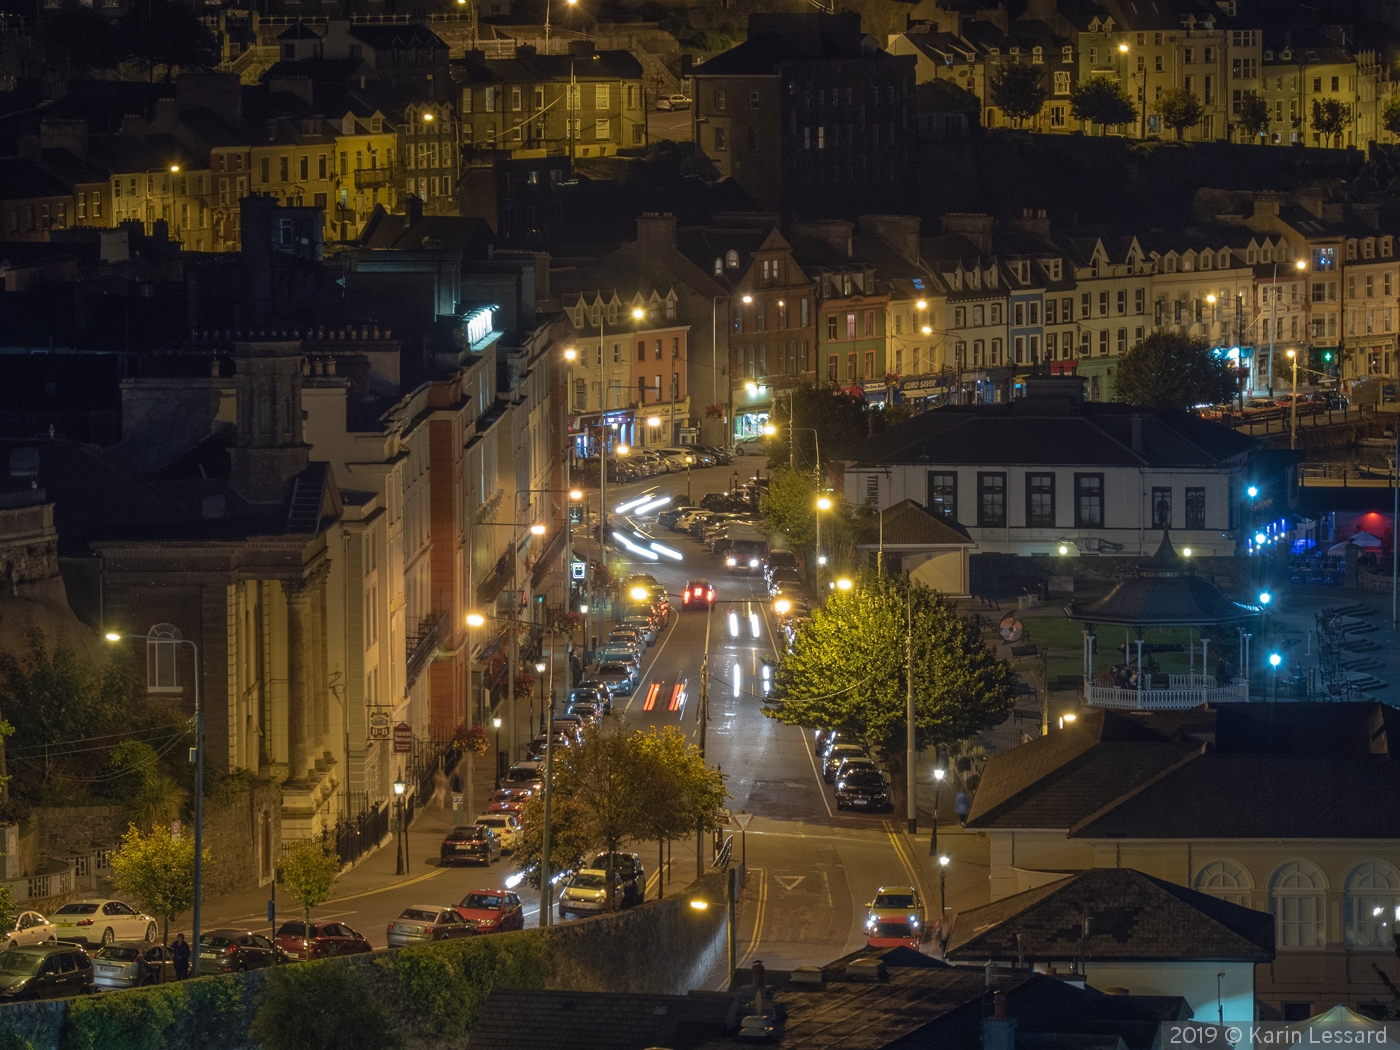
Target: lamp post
column 1274, row 661
column 197, row 757
column 938, row 774
column 823, row 504
column 399, row 835
column 1293, row 403
column 496, row 723
column 943, row 861
column 546, row 22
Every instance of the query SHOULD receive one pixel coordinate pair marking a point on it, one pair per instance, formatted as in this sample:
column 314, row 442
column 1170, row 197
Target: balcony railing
column 1168, row 693
column 424, row 647
column 367, row 177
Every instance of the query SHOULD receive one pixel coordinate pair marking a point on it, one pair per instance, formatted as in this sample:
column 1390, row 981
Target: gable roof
column 1131, row 917
column 907, row 524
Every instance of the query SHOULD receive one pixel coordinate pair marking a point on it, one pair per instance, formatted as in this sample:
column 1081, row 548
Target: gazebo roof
column 1166, row 593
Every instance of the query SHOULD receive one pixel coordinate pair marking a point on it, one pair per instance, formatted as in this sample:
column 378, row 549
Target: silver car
column 115, row 965
column 620, row 678
column 423, row 923
column 586, row 893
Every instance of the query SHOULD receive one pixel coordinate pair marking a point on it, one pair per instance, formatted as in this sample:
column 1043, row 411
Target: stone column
column 298, row 676
column 316, row 680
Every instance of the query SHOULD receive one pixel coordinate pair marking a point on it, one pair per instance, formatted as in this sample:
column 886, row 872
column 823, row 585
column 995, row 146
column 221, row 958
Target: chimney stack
column 270, row 452
column 999, row 1030
column 1136, row 422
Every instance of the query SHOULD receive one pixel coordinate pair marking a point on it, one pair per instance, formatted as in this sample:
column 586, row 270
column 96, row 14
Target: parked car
column 470, row 843
column 507, row 829
column 698, row 593
column 671, row 102
column 594, row 691
column 855, row 764
column 1260, row 404
column 628, row 868
column 863, row 789
column 586, row 893
column 44, row 971
column 319, row 940
column 492, row 911
column 31, row 928
column 228, row 951
column 896, row 918
column 102, row 921
column 589, row 710
column 645, row 624
column 835, row 755
column 130, row 964
column 424, row 923
column 620, row 678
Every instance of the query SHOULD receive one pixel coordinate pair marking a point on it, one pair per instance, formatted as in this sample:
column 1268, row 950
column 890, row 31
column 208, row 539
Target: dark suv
column 44, row 971
column 470, row 842
column 631, row 876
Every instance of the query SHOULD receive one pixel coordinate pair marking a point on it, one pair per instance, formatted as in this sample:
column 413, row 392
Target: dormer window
column 1368, row 248
column 731, row 259
column 1222, row 261
column 992, row 277
column 1052, row 267
column 1038, row 56
column 1386, row 247
column 1171, row 264
column 1188, row 263
column 719, row 266
column 1205, row 260
column 1351, row 250
column 1067, row 54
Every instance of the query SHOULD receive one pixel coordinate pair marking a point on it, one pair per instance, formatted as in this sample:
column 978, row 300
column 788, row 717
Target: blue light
column 1275, row 660
column 1260, row 538
column 1253, row 491
column 1265, row 597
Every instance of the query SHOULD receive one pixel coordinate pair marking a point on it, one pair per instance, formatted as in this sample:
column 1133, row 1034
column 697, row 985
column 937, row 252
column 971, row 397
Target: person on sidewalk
column 180, row 957
column 440, row 789
column 962, row 805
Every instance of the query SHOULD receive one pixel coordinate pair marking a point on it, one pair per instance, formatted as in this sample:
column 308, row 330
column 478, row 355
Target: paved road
column 669, row 124
column 811, row 870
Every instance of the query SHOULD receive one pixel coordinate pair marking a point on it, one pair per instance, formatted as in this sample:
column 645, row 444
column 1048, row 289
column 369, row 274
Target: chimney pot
column 758, row 973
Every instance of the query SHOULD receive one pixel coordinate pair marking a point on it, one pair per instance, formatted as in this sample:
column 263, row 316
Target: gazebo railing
column 1191, row 691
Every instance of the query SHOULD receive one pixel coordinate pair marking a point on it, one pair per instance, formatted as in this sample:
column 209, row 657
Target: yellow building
column 366, row 169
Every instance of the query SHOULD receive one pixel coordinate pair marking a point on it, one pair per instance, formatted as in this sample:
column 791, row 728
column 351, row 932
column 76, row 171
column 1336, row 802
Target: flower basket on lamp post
column 473, row 739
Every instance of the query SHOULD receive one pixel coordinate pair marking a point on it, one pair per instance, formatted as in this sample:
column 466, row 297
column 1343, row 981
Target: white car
column 506, row 827
column 673, row 102
column 102, row 922
column 31, row 928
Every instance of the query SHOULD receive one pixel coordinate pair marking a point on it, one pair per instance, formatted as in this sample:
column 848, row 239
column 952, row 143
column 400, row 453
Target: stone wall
column 1010, row 575
column 231, row 835
column 76, row 831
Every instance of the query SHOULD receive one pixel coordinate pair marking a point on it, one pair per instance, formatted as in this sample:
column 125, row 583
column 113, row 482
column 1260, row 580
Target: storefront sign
column 379, row 725
column 403, row 739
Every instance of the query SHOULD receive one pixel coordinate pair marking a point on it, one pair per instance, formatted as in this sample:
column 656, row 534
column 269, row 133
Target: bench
column 1018, row 651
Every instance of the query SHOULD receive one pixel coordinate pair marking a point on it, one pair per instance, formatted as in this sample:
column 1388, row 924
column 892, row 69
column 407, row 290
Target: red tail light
column 431, row 931
column 232, row 949
column 685, row 597
column 85, row 922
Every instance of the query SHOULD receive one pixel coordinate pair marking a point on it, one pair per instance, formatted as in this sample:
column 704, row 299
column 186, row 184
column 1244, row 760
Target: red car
column 492, row 911
column 320, row 940
column 698, row 593
column 513, row 807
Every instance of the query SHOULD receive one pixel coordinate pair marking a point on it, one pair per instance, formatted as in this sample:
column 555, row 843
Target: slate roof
column 1303, row 770
column 758, row 56
column 907, row 524
column 516, row 1018
column 1131, row 917
column 1166, row 591
column 22, row 179
column 1092, row 434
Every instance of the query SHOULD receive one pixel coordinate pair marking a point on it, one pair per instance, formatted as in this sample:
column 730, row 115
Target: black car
column 632, row 877
column 229, row 951
column 863, row 789
column 44, row 971
column 591, row 692
column 470, row 843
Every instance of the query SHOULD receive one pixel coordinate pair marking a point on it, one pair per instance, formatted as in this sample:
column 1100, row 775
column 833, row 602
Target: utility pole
column 702, row 714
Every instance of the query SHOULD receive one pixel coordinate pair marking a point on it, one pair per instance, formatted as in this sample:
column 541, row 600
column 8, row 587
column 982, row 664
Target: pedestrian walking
column 440, row 788
column 1222, row 672
column 962, row 804
column 180, row 957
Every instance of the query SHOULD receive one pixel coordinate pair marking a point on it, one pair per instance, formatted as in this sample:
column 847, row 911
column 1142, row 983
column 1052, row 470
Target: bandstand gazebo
column 1166, row 593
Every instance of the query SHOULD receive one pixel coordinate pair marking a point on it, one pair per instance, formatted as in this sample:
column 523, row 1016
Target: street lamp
column 823, row 504
column 943, row 861
column 399, row 837
column 1293, row 402
column 197, row 757
column 1265, row 597
column 1274, row 661
column 843, row 584
column 938, row 774
column 496, row 724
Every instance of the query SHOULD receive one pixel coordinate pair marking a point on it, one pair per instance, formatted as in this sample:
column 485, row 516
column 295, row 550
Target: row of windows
column 1297, row 900
column 780, row 315
column 991, row 507
column 499, row 99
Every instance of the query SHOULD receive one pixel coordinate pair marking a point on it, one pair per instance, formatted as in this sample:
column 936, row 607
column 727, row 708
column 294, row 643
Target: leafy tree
column 309, row 872
column 1390, row 116
column 1099, row 99
column 570, row 836
column 1019, row 91
column 683, row 794
column 1180, row 109
column 158, row 870
column 9, row 909
column 604, row 776
column 152, row 799
column 76, row 39
column 847, row 669
column 838, row 417
column 172, row 37
column 1254, row 115
column 321, row 1006
column 1330, row 118
column 789, row 510
column 1171, row 370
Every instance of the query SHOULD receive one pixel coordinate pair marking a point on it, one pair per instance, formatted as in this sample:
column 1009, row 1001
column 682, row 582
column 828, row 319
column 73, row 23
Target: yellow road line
column 901, row 848
column 760, row 906
column 384, row 889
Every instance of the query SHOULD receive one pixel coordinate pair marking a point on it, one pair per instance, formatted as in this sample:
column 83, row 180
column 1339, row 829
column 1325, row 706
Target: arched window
column 1372, row 895
column 731, row 259
column 719, row 266
column 1298, row 905
column 1224, row 879
column 163, row 658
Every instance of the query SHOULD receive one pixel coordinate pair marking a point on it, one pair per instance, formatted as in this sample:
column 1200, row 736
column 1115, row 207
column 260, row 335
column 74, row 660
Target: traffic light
column 1327, row 356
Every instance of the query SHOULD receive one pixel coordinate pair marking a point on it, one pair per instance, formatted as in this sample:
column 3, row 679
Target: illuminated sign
column 480, row 325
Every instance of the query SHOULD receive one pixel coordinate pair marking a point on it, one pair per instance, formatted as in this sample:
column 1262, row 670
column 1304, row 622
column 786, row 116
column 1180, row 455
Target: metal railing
column 424, row 647
column 1170, row 699
column 723, row 854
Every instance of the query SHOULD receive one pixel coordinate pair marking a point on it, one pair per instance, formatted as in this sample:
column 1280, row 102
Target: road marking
column 671, row 623
column 821, row 784
column 906, row 857
column 760, row 908
column 789, row 882
column 652, row 692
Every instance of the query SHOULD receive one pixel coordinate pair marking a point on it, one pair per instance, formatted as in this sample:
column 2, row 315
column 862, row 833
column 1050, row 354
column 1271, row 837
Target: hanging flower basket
column 473, row 739
column 524, row 685
column 714, row 411
column 568, row 622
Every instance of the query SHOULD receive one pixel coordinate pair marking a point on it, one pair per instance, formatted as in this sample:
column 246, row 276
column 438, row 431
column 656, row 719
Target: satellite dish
column 1011, row 628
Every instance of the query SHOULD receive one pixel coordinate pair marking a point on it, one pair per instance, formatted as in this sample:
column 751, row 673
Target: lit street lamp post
column 400, row 834
column 197, row 757
column 496, row 723
column 938, row 774
column 943, row 861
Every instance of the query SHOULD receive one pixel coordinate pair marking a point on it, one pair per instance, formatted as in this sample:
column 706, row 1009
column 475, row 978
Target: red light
column 685, row 597
column 232, row 949
column 85, row 922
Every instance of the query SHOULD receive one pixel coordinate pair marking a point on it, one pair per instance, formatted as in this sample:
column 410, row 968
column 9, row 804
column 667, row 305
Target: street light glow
column 539, row 668
column 943, row 860
column 843, row 584
column 536, row 530
column 570, row 354
column 575, row 494
column 1292, row 353
column 174, row 168
column 696, row 902
column 922, row 304
column 475, row 619
column 1070, row 717
column 112, row 636
column 748, row 298
column 638, row 313
column 1064, row 548
column 653, row 421
column 769, row 429
column 1301, row 264
column 622, row 450
column 1259, row 537
column 751, row 387
column 1275, row 660
column 1265, row 597
column 427, row 118
column 927, row 330
column 939, row 774
column 823, row 503
column 1252, row 491
column 496, row 723
column 1186, row 552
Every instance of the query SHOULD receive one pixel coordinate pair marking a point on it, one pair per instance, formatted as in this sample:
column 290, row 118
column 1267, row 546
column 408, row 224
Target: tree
column 1100, row 99
column 52, row 694
column 1254, row 115
column 1170, row 370
column 321, row 1006
column 684, row 795
column 789, row 509
column 570, row 836
column 1019, row 91
column 158, row 870
column 830, row 416
column 171, row 38
column 152, row 799
column 309, row 872
column 1330, row 117
column 76, row 39
column 847, row 669
column 1390, row 116
column 1180, row 109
